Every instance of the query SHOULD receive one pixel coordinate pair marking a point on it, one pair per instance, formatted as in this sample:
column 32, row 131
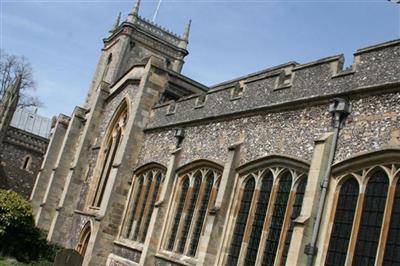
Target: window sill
column 179, row 259
column 129, row 244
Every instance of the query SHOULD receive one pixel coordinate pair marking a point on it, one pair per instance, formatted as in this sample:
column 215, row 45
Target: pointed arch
column 281, row 182
column 369, row 204
column 195, row 193
column 84, row 238
column 146, row 186
column 108, row 151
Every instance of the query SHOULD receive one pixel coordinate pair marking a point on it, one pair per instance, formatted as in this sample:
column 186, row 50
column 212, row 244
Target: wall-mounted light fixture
column 179, row 135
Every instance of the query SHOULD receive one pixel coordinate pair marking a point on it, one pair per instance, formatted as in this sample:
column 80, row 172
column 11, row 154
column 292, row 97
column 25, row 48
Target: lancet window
column 108, row 153
column 146, row 187
column 194, row 196
column 359, row 218
column 261, row 229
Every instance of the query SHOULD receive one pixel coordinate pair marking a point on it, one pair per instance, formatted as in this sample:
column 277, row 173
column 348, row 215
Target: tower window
column 131, row 45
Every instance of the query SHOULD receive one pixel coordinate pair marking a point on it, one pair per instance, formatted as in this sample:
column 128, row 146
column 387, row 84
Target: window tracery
column 362, row 209
column 145, row 192
column 257, row 236
column 194, row 196
column 107, row 155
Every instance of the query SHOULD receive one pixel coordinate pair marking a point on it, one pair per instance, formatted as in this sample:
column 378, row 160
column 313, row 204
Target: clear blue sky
column 62, row 39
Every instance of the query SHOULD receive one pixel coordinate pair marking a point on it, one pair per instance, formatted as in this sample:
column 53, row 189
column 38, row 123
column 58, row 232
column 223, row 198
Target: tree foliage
column 11, row 66
column 19, row 237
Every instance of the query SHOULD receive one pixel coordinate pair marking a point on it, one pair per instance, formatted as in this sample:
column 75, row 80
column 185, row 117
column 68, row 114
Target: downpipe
column 340, row 110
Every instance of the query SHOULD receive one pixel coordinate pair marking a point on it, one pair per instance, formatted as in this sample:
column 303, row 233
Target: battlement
column 26, row 140
column 375, row 69
column 148, row 27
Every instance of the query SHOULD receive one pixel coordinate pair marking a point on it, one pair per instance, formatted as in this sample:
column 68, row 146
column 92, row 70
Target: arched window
column 26, row 163
column 84, row 239
column 193, row 200
column 278, row 216
column 392, row 251
column 107, row 155
column 145, row 191
column 343, row 223
column 241, row 222
column 371, row 219
column 258, row 223
column 261, row 229
column 107, row 67
column 298, row 202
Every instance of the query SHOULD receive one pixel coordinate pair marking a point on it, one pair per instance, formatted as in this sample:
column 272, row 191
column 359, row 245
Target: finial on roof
column 116, row 24
column 135, row 12
column 185, row 35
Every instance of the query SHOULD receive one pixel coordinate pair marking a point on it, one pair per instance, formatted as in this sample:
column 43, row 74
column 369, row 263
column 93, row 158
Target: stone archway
column 84, row 239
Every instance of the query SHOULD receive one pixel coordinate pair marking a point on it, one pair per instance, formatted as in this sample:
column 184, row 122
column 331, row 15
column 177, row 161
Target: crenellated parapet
column 375, row 70
column 26, row 140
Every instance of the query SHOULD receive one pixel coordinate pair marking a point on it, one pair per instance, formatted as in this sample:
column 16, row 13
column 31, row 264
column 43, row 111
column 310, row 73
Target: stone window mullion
column 285, row 227
column 183, row 216
column 249, row 226
column 152, row 200
column 147, row 208
column 104, row 173
column 137, row 210
column 196, row 213
column 267, row 222
column 386, row 220
column 135, row 197
column 391, row 255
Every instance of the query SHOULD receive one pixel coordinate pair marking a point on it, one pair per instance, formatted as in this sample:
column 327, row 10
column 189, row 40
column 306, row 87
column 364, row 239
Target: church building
column 297, row 164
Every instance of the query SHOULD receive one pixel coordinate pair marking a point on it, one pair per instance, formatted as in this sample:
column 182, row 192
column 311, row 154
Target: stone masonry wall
column 376, row 69
column 16, row 147
column 373, row 124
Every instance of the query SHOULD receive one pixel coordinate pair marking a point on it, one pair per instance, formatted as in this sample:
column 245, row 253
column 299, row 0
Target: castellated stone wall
column 374, row 124
column 17, row 146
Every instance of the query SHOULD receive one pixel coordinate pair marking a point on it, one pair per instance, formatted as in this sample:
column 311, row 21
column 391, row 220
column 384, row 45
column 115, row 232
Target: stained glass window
column 241, row 221
column 392, row 252
column 277, row 219
column 371, row 220
column 259, row 217
column 343, row 223
column 298, row 202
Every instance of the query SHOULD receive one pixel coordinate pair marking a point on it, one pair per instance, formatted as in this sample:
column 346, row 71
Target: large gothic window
column 392, row 252
column 371, row 219
column 193, row 199
column 367, row 221
column 108, row 153
column 261, row 226
column 343, row 223
column 145, row 191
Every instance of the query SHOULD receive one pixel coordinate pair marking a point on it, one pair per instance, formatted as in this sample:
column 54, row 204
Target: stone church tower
column 23, row 142
column 292, row 165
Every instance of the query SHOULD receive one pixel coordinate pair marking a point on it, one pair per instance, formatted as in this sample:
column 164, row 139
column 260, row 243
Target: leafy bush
column 19, row 237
